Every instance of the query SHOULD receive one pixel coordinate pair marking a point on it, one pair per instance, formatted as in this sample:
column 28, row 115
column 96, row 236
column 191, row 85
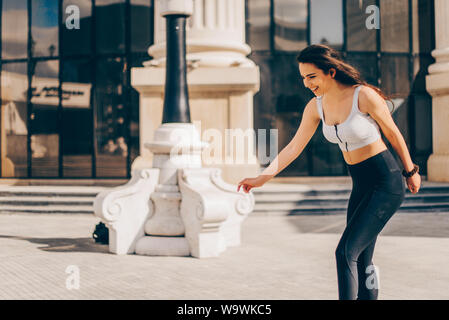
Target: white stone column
column 215, row 35
column 221, row 81
column 437, row 84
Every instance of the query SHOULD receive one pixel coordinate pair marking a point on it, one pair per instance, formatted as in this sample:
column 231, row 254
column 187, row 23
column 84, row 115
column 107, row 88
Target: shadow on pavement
column 64, row 244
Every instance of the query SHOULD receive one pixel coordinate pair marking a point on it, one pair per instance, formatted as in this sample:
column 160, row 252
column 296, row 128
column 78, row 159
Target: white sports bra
column 357, row 131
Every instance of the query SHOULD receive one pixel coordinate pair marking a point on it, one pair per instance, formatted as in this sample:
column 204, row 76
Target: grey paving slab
column 279, row 258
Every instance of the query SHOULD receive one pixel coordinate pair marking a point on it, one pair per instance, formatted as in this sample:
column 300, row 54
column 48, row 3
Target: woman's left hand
column 414, row 183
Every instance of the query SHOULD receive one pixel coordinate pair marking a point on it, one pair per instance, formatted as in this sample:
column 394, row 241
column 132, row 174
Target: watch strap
column 412, row 172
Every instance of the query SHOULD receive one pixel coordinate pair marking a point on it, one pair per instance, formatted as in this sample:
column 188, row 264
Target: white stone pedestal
column 177, row 208
column 125, row 209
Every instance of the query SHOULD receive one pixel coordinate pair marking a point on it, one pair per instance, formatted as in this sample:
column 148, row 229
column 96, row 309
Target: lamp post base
column 176, row 208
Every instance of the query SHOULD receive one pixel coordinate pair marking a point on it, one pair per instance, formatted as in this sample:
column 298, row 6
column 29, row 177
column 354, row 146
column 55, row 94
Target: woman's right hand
column 248, row 183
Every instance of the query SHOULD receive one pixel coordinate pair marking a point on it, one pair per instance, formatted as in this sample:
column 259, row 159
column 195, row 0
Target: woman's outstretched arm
column 309, row 123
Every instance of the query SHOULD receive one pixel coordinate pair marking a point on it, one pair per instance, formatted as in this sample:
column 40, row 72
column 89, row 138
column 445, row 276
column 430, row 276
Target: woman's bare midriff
column 363, row 153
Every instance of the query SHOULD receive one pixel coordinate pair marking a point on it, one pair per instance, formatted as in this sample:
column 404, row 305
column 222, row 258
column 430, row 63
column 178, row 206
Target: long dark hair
column 326, row 58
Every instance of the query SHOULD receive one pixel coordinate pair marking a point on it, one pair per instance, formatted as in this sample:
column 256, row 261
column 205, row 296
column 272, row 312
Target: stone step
column 48, row 199
column 272, row 198
column 333, row 189
column 331, row 198
column 53, row 191
column 43, row 200
column 62, row 182
column 46, row 209
column 305, row 199
column 290, row 205
column 290, row 208
column 290, row 188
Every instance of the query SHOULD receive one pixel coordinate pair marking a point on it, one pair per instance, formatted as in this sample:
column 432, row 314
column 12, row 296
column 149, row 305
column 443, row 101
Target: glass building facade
column 69, row 111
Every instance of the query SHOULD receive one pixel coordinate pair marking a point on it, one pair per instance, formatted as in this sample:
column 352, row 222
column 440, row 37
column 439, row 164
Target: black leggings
column 378, row 190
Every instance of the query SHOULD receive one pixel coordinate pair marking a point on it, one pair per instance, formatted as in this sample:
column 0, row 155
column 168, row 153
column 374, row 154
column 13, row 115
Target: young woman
column 353, row 113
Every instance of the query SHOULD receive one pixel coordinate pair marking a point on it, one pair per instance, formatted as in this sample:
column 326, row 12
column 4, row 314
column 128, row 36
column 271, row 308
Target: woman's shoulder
column 367, row 90
column 367, row 97
column 368, row 93
column 312, row 107
column 313, row 103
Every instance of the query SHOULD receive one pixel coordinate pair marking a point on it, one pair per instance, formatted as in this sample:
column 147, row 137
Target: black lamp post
column 176, row 99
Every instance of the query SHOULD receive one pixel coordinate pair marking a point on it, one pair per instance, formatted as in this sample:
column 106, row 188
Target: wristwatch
column 411, row 173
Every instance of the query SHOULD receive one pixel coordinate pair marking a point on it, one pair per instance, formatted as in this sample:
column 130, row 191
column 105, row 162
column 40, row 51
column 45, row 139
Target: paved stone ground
column 279, row 258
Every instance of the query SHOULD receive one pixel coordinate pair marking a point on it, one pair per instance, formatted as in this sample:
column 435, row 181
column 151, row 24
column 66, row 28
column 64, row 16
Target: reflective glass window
column 141, row 25
column 395, row 75
column 110, row 26
column 259, row 24
column 44, row 119
column 14, row 29
column 290, row 19
column 44, row 28
column 359, row 37
column 326, row 23
column 326, row 157
column 366, row 64
column 76, row 35
column 394, row 29
column 14, row 120
column 110, row 126
column 77, row 145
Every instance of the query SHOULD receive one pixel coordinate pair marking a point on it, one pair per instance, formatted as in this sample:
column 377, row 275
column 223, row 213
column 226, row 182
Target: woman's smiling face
column 314, row 78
